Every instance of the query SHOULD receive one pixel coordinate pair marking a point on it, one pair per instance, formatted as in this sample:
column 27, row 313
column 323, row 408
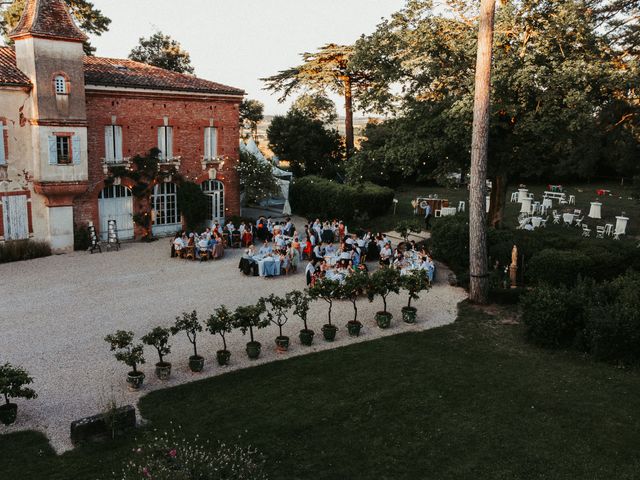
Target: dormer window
column 60, row 84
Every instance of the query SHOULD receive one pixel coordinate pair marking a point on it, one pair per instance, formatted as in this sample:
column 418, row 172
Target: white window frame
column 113, row 144
column 3, row 148
column 165, row 142
column 210, row 143
column 60, row 85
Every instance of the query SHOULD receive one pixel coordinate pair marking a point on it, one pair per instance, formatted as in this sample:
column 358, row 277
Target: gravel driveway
column 55, row 312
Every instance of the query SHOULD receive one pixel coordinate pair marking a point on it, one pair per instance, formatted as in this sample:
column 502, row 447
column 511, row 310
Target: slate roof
column 49, row 19
column 111, row 72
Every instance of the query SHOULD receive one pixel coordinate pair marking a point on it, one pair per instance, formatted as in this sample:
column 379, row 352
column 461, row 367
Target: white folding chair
column 608, row 229
column 572, row 199
column 586, row 231
column 543, row 222
column 579, row 221
column 577, row 212
column 556, row 217
column 514, row 197
column 600, row 231
column 461, row 206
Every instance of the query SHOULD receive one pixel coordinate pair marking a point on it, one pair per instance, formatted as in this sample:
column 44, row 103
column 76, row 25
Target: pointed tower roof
column 47, row 19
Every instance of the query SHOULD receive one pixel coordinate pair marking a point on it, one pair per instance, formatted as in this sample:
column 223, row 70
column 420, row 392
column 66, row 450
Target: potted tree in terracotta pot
column 300, row 301
column 246, row 318
column 382, row 283
column 276, row 308
column 190, row 325
column 354, row 286
column 131, row 355
column 414, row 283
column 12, row 385
column 158, row 338
column 221, row 323
column 326, row 290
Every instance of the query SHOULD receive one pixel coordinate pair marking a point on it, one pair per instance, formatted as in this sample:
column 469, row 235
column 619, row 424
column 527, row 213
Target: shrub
column 450, row 242
column 558, row 267
column 17, row 250
column 554, row 316
column 193, row 204
column 81, row 238
column 335, row 200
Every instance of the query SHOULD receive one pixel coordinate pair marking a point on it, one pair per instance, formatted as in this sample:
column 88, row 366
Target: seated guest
column 295, row 258
column 355, row 256
column 318, row 253
column 327, row 233
column 385, row 255
column 345, row 253
column 177, row 246
column 412, row 246
column 329, row 249
column 307, row 248
column 265, row 249
column 310, row 271
column 350, row 241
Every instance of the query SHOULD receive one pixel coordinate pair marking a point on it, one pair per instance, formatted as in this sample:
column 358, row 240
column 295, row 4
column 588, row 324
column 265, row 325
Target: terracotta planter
column 282, row 343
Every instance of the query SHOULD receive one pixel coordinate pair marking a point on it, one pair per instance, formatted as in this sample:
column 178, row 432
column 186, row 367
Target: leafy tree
column 300, row 302
column 327, row 290
column 383, row 282
column 13, row 381
column 248, row 317
column 190, row 325
column 307, row 144
column 131, row 355
column 328, row 69
column 251, row 114
column 158, row 338
column 256, row 178
column 221, row 323
column 316, row 106
column 162, row 51
column 414, row 283
column 89, row 19
column 354, row 286
column 193, row 204
column 406, row 227
column 277, row 308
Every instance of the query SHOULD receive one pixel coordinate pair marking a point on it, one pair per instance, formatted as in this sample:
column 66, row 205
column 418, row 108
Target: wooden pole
column 478, row 262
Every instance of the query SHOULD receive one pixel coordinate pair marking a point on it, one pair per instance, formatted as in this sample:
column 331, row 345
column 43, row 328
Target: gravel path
column 56, row 311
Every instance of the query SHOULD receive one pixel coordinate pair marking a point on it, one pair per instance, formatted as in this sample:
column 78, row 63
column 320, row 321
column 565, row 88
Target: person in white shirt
column 385, row 254
column 329, row 249
column 309, row 271
column 317, row 253
column 265, row 249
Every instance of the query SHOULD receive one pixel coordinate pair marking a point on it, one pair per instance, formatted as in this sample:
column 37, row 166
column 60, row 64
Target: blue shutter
column 214, row 142
column 76, row 149
column 162, row 146
column 207, row 143
column 118, row 147
column 3, row 159
column 53, row 150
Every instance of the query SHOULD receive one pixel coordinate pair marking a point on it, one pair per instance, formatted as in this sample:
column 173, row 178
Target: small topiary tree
column 158, row 338
column 354, row 286
column 301, row 303
column 12, row 385
column 277, row 309
column 327, row 290
column 414, row 283
column 246, row 318
column 382, row 283
column 405, row 227
column 131, row 355
column 190, row 325
column 221, row 323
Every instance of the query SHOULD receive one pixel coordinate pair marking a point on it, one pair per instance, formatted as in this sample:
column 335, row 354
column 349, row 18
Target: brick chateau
column 67, row 118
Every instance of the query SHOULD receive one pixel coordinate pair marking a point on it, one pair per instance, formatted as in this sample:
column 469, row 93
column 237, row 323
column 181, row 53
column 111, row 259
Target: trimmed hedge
column 313, row 196
column 17, row 250
column 558, row 267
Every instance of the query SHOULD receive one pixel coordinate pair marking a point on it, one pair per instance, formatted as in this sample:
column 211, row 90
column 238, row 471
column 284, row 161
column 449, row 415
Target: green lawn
column 469, row 400
column 612, row 205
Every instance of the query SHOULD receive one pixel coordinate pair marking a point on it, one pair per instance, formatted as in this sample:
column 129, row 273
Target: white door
column 116, row 203
column 15, row 217
column 165, row 206
column 214, row 189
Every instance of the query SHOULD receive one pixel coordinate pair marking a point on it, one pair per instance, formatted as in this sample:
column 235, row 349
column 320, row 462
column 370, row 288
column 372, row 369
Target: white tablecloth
column 621, row 225
column 535, row 221
column 547, row 202
column 448, row 211
column 568, row 218
column 596, row 210
column 526, row 205
column 522, row 194
column 272, row 265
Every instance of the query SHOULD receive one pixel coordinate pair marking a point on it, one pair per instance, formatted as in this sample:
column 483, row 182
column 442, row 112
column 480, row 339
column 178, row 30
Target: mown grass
column 469, row 400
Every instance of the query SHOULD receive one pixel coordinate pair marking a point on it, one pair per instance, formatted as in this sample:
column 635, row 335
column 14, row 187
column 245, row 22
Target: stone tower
column 49, row 50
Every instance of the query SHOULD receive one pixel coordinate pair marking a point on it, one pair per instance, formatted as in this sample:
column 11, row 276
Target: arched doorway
column 214, row 189
column 116, row 203
column 165, row 206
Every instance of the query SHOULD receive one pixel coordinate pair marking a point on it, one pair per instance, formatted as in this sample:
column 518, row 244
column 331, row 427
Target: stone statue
column 513, row 268
column 514, row 256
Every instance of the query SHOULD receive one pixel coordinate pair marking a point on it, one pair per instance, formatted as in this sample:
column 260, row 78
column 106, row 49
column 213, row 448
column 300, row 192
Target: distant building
column 67, row 118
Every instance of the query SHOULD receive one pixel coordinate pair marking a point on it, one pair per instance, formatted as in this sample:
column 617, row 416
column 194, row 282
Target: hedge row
column 18, row 250
column 312, row 196
column 600, row 319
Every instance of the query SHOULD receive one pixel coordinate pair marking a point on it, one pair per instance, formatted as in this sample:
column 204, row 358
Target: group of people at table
column 274, row 248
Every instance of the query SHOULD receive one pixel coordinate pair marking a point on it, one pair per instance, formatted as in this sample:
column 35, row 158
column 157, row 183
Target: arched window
column 60, row 84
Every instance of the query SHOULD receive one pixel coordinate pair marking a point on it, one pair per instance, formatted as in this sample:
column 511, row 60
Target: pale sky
column 236, row 42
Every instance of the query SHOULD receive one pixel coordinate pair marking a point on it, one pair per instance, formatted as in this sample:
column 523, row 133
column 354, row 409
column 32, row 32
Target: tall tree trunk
column 348, row 112
column 479, row 277
column 498, row 200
